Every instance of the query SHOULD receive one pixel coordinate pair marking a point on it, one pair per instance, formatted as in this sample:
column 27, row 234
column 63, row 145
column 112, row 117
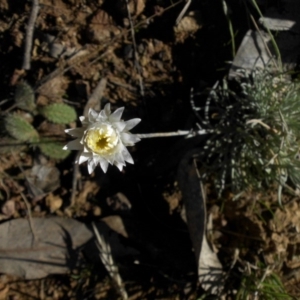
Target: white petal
column 116, row 115
column 86, row 150
column 102, row 116
column 119, row 158
column 126, row 155
column 120, row 125
column 83, row 157
column 91, row 166
column 81, row 118
column 129, row 139
column 132, row 123
column 110, row 159
column 73, row 145
column 92, row 115
column 107, row 109
column 103, row 164
column 119, row 166
column 77, row 132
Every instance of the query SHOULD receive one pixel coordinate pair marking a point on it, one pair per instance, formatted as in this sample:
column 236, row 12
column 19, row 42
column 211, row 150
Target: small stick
column 183, row 11
column 257, row 121
column 136, row 55
column 75, row 179
column 29, row 34
column 29, row 216
column 189, row 133
column 25, row 200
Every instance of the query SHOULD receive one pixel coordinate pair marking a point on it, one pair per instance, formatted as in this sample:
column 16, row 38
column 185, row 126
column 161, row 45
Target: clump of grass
column 256, row 140
column 263, row 284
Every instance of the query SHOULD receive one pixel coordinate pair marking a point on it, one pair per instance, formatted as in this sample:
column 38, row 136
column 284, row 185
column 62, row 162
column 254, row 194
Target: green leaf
column 24, row 97
column 59, row 113
column 20, row 129
column 53, row 149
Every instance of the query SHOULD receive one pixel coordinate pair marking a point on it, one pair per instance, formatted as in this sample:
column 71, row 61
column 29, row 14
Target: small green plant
column 262, row 284
column 23, row 131
column 256, row 126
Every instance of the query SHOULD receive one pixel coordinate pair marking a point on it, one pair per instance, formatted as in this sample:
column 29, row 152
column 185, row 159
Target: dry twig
column 28, row 206
column 76, row 174
column 29, row 34
column 182, row 13
column 136, row 54
column 187, row 133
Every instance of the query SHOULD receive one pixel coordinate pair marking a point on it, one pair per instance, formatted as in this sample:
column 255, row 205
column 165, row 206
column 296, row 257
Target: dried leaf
column 210, row 271
column 51, row 250
column 118, row 202
column 42, row 180
column 116, row 223
column 102, row 27
column 54, row 89
column 8, row 209
column 4, row 289
column 188, row 26
column 53, row 202
column 252, row 53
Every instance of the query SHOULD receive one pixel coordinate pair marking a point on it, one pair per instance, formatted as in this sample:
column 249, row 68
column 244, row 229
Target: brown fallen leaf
column 4, row 289
column 53, row 202
column 210, row 270
column 118, row 202
column 102, row 27
column 188, row 26
column 8, row 208
column 51, row 247
column 89, row 188
column 42, row 180
column 53, row 90
column 116, row 223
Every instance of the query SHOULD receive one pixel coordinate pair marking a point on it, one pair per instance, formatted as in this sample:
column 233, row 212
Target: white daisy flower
column 103, row 139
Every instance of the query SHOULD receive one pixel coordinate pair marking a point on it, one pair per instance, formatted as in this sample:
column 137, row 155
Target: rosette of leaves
column 256, row 123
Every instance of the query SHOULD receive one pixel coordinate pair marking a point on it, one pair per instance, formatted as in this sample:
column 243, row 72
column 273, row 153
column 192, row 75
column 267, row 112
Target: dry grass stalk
column 108, row 262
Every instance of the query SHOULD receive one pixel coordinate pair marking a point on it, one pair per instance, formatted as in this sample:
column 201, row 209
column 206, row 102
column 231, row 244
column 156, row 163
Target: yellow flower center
column 102, row 140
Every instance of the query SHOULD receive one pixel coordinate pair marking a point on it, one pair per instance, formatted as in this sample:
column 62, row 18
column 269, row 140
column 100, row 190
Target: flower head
column 103, row 139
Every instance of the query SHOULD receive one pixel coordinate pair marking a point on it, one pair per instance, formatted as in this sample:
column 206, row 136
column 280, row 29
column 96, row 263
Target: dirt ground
column 83, row 51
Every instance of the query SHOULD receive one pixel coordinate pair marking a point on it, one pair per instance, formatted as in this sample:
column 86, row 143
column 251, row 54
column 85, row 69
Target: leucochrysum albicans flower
column 103, row 139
